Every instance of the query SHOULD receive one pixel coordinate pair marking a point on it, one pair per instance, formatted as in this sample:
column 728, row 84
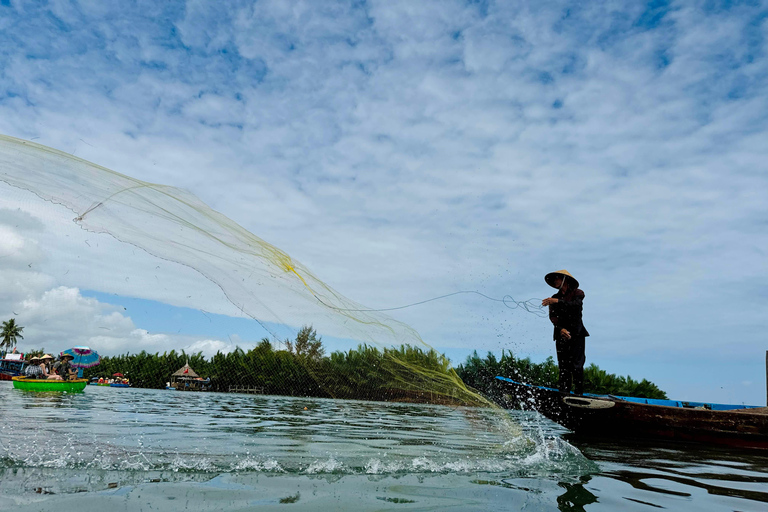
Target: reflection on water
column 109, row 448
column 575, row 497
column 660, row 472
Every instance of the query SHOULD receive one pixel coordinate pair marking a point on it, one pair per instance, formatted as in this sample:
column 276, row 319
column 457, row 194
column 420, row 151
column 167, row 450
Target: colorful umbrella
column 117, row 375
column 85, row 357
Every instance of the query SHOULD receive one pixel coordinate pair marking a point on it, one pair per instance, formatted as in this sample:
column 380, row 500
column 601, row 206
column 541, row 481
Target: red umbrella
column 117, row 374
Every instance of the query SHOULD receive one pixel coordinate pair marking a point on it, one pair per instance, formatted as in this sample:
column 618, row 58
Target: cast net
column 385, row 360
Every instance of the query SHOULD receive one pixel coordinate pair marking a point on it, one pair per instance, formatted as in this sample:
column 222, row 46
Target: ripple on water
column 147, row 430
column 272, row 451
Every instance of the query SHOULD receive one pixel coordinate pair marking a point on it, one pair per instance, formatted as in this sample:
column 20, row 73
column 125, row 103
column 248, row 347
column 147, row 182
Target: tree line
column 480, row 374
column 302, row 369
column 404, row 373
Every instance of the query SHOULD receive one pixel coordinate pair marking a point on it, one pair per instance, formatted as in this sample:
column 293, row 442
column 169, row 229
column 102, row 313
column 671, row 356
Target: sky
column 407, row 150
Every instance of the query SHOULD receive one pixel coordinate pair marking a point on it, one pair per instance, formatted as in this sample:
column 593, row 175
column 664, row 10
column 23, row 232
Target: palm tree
column 10, row 332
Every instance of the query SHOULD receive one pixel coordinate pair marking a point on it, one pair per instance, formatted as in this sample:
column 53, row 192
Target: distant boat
column 119, row 385
column 69, row 386
column 12, row 365
column 627, row 417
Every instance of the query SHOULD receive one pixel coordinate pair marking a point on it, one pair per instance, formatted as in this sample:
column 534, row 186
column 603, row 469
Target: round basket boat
column 69, row 386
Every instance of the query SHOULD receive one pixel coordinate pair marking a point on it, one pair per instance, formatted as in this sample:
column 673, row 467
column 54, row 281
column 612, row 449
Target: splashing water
column 143, row 431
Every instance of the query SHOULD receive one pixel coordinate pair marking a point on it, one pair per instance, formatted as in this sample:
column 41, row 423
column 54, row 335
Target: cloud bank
column 405, row 150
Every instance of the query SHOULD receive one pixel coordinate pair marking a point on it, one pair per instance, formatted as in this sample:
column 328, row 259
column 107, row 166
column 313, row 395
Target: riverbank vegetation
column 366, row 372
column 301, row 369
column 480, row 374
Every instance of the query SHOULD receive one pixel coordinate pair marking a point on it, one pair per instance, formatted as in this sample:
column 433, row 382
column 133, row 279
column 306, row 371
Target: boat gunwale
column 671, row 404
column 48, row 381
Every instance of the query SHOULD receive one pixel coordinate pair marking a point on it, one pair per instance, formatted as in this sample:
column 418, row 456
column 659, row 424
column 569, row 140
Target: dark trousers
column 570, row 360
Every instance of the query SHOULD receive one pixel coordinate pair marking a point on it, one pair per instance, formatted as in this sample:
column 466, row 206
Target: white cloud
column 403, row 150
column 210, row 347
column 58, row 317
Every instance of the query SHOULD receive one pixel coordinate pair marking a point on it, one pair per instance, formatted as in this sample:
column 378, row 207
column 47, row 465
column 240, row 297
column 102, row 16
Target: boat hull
column 602, row 417
column 68, row 386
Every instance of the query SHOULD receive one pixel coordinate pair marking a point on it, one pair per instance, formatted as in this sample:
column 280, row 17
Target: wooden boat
column 69, row 386
column 628, row 417
column 12, row 365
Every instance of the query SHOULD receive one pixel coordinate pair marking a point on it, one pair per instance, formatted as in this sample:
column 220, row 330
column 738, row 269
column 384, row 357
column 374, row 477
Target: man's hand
column 547, row 302
column 564, row 333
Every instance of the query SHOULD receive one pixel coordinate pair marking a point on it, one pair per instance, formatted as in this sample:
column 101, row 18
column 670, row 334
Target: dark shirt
column 62, row 368
column 566, row 314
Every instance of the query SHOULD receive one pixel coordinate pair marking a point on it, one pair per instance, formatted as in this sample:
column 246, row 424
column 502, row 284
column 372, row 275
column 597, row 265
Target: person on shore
column 34, row 370
column 565, row 308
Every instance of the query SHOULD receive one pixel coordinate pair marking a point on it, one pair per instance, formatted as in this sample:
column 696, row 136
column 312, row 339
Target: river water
column 111, row 450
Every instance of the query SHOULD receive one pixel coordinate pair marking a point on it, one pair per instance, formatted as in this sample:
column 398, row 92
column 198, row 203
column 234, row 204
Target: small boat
column 119, row 385
column 69, row 386
column 589, row 415
column 12, row 365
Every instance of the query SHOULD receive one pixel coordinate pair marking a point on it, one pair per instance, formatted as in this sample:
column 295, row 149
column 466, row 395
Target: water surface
column 132, row 449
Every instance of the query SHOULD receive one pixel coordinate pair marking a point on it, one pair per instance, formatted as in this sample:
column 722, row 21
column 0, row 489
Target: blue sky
column 404, row 150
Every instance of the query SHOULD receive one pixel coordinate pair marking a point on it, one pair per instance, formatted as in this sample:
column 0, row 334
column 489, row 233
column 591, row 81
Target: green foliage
column 365, row 373
column 307, row 344
column 600, row 382
column 10, row 332
column 481, row 374
column 29, row 354
column 301, row 370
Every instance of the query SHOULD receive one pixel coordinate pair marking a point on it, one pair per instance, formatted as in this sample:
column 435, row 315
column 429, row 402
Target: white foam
column 251, row 464
column 328, row 466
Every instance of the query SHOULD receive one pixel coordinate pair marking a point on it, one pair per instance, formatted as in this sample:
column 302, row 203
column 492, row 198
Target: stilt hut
column 186, row 379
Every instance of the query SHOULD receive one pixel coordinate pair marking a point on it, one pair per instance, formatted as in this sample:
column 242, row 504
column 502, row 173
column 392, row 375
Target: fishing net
column 385, row 359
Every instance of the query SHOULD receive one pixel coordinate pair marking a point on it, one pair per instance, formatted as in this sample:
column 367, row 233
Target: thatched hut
column 186, row 379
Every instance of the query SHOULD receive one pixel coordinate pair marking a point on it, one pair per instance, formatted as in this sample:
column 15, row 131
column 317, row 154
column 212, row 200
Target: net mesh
column 386, row 359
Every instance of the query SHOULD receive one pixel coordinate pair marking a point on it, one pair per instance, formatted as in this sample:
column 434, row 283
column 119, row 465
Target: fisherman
column 569, row 332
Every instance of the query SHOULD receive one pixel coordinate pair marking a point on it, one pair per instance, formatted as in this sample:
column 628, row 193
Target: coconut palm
column 10, row 332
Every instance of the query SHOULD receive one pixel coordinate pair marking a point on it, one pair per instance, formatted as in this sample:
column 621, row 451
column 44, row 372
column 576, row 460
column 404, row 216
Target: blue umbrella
column 85, row 357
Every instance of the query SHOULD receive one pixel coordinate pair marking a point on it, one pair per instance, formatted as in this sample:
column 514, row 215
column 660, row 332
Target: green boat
column 68, row 386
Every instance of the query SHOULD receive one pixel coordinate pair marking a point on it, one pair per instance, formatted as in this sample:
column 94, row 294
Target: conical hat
column 550, row 278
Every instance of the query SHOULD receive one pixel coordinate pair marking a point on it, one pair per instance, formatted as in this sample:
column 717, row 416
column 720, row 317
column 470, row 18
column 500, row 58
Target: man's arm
column 569, row 310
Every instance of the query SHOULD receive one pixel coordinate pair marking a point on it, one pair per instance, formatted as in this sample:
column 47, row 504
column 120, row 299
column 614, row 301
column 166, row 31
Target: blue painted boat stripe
column 648, row 401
